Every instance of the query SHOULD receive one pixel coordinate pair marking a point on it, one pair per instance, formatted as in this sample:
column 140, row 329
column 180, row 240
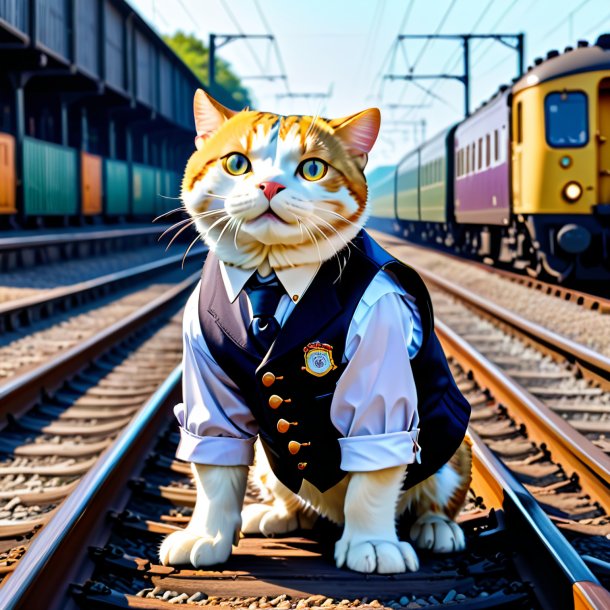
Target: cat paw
column 380, row 556
column 267, row 520
column 437, row 533
column 189, row 547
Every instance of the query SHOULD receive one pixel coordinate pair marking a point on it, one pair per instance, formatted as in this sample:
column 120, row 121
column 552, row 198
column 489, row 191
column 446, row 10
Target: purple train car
column 482, row 168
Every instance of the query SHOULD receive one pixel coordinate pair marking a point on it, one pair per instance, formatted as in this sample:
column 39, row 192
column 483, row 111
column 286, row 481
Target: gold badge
column 318, row 359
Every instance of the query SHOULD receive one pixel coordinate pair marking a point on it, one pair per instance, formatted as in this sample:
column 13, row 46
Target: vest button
column 275, row 401
column 302, row 465
column 295, row 447
column 269, row 379
column 284, row 426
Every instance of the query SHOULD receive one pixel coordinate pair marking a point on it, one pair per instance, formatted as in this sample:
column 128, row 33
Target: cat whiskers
column 187, row 222
column 180, row 209
column 203, row 236
column 336, row 253
column 314, row 239
column 240, row 222
column 337, row 215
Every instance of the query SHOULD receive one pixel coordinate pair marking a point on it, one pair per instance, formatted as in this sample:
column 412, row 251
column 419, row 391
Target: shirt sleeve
column 216, row 427
column 375, row 402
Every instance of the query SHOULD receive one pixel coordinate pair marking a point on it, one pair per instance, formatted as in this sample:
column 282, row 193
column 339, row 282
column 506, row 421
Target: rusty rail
column 21, row 392
column 59, row 552
column 12, row 312
column 544, row 427
column 570, row 350
column 50, row 239
column 504, row 492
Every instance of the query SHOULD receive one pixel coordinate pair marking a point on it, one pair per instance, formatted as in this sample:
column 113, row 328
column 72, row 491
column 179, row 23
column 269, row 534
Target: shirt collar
column 295, row 280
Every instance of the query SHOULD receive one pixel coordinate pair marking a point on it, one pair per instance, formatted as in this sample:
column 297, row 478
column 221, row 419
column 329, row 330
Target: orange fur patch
column 316, row 137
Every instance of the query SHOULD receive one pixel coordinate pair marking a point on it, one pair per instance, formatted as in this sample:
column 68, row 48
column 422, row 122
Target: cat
column 285, row 197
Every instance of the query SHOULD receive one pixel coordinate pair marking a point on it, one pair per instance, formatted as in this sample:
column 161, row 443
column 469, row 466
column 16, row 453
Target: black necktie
column 264, row 294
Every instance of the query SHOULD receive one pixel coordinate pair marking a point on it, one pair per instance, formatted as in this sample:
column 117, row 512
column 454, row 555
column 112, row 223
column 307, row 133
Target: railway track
column 98, row 546
column 568, row 377
column 46, row 279
column 99, row 551
column 58, row 415
column 48, row 327
column 23, row 249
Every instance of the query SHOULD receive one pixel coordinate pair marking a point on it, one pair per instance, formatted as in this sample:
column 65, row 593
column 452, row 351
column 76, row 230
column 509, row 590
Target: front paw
column 189, row 547
column 438, row 533
column 380, row 556
column 268, row 520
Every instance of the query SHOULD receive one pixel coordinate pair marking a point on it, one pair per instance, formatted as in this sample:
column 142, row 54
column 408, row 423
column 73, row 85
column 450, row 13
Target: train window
column 519, row 123
column 566, row 119
column 472, row 156
column 480, row 164
column 487, row 150
column 496, row 145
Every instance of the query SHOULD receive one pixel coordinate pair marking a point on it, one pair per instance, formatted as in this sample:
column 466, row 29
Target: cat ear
column 358, row 131
column 209, row 116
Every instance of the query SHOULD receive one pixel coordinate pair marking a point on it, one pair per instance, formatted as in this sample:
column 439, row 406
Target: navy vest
column 281, row 388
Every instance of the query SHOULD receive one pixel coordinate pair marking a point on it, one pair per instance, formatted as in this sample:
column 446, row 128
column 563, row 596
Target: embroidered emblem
column 318, row 359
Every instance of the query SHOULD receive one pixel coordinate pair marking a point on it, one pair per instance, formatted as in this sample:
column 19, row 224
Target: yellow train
column 524, row 181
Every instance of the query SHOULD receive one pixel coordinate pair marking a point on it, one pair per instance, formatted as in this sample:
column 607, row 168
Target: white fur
column 438, row 533
column 437, row 490
column 308, row 214
column 216, row 519
column 369, row 542
column 369, row 504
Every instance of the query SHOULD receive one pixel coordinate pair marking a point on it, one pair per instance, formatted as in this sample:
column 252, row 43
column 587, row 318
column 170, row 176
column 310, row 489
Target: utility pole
column 217, row 41
column 512, row 41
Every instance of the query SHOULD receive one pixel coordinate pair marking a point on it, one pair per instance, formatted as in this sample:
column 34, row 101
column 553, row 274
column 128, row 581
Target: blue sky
column 346, row 46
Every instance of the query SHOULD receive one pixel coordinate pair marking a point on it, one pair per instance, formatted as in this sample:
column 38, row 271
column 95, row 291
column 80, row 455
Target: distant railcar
column 99, row 118
column 525, row 180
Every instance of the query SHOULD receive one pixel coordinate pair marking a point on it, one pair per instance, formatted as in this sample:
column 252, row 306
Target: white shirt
column 374, row 406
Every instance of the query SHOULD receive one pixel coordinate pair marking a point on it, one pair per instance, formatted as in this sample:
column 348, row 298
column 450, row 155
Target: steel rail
column 59, row 552
column 19, row 393
column 48, row 298
column 570, row 350
column 560, row 291
column 544, row 427
column 35, row 241
column 504, row 492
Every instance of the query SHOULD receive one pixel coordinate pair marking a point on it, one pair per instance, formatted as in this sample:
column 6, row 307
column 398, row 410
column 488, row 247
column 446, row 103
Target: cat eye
column 313, row 169
column 236, row 164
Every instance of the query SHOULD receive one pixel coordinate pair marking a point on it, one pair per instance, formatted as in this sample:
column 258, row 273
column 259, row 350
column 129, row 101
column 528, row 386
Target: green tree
column 195, row 55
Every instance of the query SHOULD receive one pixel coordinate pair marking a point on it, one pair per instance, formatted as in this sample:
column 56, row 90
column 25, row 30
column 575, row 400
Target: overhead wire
column 237, row 25
column 423, row 49
column 274, row 43
column 598, row 24
column 393, row 48
column 380, row 7
column 565, row 19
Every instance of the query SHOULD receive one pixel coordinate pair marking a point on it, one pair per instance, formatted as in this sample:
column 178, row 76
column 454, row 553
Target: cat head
column 287, row 190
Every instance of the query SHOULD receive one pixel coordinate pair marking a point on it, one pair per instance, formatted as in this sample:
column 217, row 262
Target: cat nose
column 271, row 189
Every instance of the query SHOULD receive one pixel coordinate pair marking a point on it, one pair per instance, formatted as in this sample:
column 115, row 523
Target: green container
column 144, row 190
column 116, row 186
column 50, row 179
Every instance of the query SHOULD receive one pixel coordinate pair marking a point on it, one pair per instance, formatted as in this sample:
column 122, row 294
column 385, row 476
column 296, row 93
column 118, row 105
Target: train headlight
column 572, row 192
column 565, row 161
